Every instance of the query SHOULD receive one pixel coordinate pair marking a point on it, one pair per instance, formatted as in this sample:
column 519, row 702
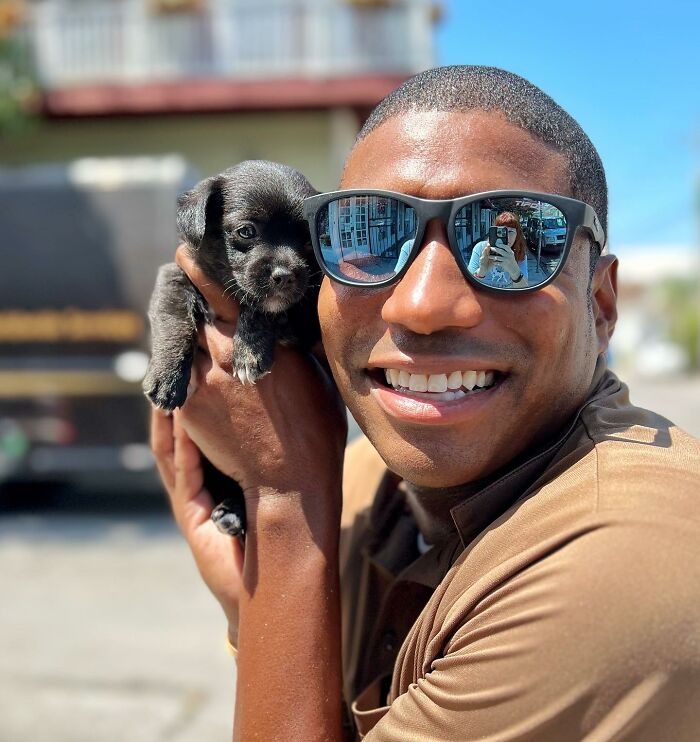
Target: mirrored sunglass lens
column 503, row 238
column 366, row 238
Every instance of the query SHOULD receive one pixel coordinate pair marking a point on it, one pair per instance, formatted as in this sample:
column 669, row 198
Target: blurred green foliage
column 680, row 304
column 19, row 92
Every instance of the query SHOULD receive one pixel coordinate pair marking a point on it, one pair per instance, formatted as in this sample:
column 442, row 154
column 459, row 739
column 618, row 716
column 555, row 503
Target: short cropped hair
column 473, row 87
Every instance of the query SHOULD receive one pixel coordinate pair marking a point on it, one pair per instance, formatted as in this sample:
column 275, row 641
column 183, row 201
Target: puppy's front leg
column 175, row 308
column 253, row 345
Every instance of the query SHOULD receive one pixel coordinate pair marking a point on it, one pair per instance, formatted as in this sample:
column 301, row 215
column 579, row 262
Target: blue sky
column 629, row 72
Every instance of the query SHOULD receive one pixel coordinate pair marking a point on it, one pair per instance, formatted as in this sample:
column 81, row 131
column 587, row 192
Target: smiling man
column 514, row 550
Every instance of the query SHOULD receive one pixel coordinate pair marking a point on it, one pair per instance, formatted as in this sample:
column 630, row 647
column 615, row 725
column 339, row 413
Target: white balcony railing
column 127, row 41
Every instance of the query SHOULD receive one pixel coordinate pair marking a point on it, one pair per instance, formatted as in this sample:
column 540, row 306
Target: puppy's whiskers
column 232, row 289
column 234, row 292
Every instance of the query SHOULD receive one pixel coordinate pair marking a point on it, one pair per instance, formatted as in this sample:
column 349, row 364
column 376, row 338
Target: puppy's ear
column 200, row 211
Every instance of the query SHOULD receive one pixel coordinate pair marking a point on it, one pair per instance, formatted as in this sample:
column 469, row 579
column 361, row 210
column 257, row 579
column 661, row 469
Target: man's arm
column 286, row 606
column 290, row 673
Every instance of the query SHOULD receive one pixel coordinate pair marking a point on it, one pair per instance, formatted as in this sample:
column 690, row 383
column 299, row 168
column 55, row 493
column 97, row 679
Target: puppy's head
column 246, row 228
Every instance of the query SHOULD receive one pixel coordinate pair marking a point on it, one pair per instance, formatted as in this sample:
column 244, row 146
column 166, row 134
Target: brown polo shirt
column 564, row 606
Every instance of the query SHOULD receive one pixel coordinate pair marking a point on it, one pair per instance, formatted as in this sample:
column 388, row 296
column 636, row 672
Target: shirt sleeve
column 403, row 255
column 523, row 266
column 473, row 266
column 598, row 640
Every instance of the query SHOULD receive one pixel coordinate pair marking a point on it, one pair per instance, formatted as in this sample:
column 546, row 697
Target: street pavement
column 107, row 633
column 677, row 398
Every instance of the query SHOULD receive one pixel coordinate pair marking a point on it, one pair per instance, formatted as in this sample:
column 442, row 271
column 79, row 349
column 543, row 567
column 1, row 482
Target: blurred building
column 135, row 101
column 658, row 329
column 216, row 81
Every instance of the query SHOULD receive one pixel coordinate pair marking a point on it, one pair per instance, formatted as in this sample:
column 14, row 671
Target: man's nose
column 433, row 294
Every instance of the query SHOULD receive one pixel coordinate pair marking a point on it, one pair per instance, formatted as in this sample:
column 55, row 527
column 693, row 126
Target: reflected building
column 363, row 227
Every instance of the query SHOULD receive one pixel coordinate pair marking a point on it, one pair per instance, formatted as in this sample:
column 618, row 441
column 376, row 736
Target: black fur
column 245, row 228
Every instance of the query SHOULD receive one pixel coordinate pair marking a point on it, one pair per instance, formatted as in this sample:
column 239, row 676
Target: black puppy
column 246, row 230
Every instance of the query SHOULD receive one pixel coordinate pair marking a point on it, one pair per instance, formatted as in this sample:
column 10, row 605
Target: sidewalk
column 108, row 634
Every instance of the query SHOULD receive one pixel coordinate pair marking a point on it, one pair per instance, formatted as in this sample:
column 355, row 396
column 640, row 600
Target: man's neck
column 431, row 508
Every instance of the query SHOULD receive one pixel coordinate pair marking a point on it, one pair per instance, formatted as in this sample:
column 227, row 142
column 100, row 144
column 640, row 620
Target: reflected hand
column 485, row 260
column 504, row 257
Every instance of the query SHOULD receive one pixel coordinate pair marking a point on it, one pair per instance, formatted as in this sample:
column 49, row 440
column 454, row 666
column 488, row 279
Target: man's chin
column 434, row 467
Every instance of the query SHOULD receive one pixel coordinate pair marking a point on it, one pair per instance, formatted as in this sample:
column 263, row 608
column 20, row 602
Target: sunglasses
column 371, row 237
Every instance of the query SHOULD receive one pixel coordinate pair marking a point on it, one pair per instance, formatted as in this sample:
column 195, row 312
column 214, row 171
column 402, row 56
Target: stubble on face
column 542, row 341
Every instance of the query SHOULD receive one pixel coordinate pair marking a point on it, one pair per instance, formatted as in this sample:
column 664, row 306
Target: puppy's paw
column 165, row 390
column 247, row 366
column 249, row 374
column 227, row 521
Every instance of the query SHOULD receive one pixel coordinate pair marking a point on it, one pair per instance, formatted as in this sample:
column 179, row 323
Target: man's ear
column 604, row 299
column 200, row 211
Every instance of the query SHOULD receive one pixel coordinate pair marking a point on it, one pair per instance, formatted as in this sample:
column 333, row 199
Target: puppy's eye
column 247, row 232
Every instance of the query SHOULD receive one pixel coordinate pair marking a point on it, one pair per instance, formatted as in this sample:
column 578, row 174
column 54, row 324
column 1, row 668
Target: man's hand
column 284, row 433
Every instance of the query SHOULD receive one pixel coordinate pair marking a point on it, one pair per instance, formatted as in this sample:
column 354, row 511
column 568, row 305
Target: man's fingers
column 192, row 504
column 163, row 445
column 224, row 307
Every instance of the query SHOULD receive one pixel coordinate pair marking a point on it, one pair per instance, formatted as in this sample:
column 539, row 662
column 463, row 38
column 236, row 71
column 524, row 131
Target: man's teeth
column 439, row 386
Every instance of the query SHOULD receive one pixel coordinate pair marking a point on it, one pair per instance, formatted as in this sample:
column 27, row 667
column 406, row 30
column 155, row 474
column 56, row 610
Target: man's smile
column 433, row 392
column 448, row 386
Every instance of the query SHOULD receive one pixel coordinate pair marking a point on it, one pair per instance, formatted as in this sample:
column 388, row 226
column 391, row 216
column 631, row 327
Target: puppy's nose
column 281, row 277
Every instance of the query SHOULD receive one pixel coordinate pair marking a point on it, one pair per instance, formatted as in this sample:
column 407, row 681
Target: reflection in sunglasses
column 365, row 237
column 503, row 239
column 504, row 242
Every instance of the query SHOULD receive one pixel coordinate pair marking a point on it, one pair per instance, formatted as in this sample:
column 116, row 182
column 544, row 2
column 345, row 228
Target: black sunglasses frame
column 578, row 215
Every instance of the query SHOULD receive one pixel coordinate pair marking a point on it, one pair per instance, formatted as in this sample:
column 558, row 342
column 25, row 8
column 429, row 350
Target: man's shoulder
column 616, row 529
column 628, row 478
column 641, row 460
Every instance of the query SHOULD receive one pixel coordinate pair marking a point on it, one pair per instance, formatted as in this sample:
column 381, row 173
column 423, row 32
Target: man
column 526, row 564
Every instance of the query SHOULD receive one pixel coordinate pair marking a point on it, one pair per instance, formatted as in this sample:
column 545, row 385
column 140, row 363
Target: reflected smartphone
column 498, row 236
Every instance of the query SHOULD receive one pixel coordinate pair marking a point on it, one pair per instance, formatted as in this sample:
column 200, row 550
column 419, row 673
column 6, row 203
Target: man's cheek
column 331, row 327
column 550, row 319
column 329, row 314
column 561, row 346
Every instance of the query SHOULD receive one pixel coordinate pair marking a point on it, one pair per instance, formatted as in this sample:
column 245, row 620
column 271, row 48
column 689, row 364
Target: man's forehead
column 443, row 154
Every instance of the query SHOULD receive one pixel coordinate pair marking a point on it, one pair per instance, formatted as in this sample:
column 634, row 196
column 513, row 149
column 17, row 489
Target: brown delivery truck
column 81, row 243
